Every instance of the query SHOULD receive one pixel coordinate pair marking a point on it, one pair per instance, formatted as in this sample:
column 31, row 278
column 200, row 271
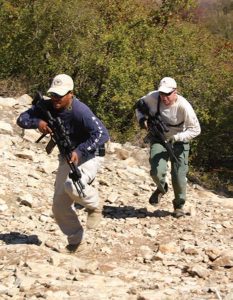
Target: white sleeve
column 191, row 125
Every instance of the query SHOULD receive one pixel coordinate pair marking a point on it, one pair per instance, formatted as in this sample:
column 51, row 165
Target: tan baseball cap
column 61, row 85
column 167, row 85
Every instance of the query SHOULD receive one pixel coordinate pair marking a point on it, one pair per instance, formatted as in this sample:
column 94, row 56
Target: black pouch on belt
column 100, row 151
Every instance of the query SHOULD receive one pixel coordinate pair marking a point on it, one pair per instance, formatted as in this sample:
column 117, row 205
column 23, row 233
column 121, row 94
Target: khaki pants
column 158, row 161
column 65, row 195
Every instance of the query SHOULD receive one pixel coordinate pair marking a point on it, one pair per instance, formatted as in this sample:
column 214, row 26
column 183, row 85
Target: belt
column 180, row 143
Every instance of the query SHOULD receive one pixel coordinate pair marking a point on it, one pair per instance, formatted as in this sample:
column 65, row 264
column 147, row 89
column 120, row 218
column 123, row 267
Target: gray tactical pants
column 158, row 160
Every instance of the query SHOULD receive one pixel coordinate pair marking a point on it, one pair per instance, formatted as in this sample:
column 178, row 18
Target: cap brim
column 58, row 90
column 165, row 89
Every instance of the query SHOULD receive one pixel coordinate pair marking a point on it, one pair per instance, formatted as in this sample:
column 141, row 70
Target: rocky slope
column 138, row 252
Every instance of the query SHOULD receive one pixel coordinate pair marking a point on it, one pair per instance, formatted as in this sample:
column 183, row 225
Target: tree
column 219, row 18
column 117, row 51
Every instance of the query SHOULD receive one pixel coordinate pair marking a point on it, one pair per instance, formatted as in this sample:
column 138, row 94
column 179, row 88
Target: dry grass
column 13, row 87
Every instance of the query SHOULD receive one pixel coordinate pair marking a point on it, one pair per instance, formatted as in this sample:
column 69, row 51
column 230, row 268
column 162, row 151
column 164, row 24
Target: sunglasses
column 166, row 94
column 54, row 95
column 58, row 97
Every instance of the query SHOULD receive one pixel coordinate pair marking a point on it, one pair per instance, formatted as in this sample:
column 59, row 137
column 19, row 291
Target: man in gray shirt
column 182, row 124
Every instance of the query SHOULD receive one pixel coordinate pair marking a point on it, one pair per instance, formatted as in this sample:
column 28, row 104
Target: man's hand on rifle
column 74, row 158
column 143, row 123
column 172, row 139
column 43, row 127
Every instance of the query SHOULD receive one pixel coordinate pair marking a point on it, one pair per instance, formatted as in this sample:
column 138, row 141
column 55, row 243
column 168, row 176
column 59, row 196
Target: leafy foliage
column 117, row 51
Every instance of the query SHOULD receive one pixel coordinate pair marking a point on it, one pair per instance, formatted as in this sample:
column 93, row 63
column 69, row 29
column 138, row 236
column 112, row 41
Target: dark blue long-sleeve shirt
column 86, row 131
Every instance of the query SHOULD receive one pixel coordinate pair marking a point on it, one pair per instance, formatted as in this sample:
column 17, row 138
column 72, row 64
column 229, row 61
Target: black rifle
column 157, row 128
column 60, row 137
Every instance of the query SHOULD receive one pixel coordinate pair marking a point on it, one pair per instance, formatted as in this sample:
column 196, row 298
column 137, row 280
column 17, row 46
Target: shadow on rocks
column 19, row 238
column 123, row 212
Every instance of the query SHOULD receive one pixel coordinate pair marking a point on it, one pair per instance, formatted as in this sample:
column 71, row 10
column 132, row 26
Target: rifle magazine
column 50, row 146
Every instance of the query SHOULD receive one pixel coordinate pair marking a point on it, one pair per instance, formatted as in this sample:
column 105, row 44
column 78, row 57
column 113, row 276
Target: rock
column 25, row 199
column 112, row 197
column 122, row 154
column 24, row 100
column 7, row 102
column 225, row 259
column 3, row 205
column 212, row 253
column 5, row 128
column 169, row 248
column 198, row 271
column 26, row 154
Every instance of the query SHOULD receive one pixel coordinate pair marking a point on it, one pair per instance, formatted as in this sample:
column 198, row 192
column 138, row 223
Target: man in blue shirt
column 87, row 134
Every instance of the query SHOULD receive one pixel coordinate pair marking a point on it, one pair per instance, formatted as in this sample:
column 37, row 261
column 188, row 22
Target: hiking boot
column 93, row 218
column 178, row 212
column 80, row 247
column 78, row 206
column 157, row 195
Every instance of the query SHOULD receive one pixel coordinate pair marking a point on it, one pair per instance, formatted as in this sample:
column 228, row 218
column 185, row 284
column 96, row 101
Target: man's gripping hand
column 43, row 127
column 74, row 158
column 143, row 123
column 172, row 139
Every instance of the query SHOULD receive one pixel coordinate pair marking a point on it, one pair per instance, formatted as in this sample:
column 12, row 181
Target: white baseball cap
column 61, row 85
column 167, row 85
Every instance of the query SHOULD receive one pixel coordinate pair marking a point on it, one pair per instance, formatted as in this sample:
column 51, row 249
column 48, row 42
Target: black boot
column 157, row 195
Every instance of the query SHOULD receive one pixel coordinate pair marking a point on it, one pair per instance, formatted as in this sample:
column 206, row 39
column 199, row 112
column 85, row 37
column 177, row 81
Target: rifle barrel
column 41, row 137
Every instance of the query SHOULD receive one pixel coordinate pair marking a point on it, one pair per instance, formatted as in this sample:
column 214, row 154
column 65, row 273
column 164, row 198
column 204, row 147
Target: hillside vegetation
column 117, row 51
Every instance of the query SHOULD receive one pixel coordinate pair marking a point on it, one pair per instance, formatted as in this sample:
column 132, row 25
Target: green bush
column 117, row 51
